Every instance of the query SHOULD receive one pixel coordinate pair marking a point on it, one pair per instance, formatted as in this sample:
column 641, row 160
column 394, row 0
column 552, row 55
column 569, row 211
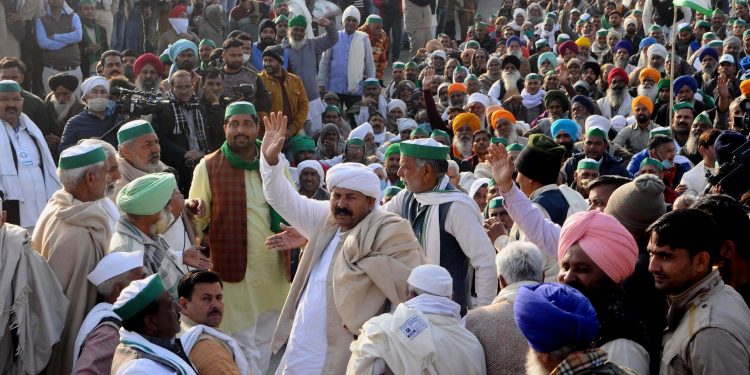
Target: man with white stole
column 355, row 265
column 423, row 335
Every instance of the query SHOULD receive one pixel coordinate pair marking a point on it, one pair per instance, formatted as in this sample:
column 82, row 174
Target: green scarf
column 93, row 57
column 237, row 162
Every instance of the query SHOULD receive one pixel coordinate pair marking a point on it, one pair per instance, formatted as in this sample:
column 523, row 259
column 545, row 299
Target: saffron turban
column 456, row 87
column 354, row 176
column 312, row 164
column 745, row 87
column 552, row 316
column 146, row 59
column 644, row 100
column 502, row 114
column 467, row 119
column 609, row 245
column 649, row 73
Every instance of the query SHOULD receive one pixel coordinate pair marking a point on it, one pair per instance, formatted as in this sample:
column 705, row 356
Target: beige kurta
column 72, row 236
column 130, row 173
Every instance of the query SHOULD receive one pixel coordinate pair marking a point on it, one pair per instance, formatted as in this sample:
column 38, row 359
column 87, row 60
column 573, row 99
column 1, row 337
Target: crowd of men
column 374, row 187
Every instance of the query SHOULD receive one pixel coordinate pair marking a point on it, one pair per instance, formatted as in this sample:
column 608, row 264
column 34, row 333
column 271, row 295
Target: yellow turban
column 649, row 73
column 502, row 114
column 467, row 119
column 745, row 87
column 583, row 42
column 643, row 100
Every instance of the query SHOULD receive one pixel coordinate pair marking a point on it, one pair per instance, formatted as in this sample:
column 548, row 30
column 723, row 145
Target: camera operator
column 733, row 177
column 183, row 128
column 97, row 120
column 236, row 74
column 147, row 69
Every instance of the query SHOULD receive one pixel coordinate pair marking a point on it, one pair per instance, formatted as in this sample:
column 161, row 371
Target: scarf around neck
column 237, row 162
column 532, row 100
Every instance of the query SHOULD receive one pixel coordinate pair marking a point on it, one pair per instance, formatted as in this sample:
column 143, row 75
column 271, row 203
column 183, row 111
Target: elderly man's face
column 532, row 86
column 297, row 33
column 309, row 180
column 578, row 111
column 148, row 77
column 612, row 41
column 685, row 94
column 464, row 132
column 732, row 49
column 656, row 62
column 350, row 25
column 555, row 109
column 397, row 74
column 476, row 108
column 395, row 114
column 503, row 127
column 622, row 54
column 11, row 105
column 579, row 271
column 416, row 178
column 143, row 152
column 62, row 95
column 182, row 88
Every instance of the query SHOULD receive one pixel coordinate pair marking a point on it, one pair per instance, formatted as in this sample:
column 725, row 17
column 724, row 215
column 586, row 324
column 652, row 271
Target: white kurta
column 308, row 341
column 33, row 194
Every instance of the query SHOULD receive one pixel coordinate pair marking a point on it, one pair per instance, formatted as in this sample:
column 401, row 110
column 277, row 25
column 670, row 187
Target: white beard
column 510, row 80
column 463, row 146
column 533, row 366
column 516, row 54
column 622, row 63
column 297, row 45
column 61, row 110
column 616, row 98
column 651, row 93
column 692, row 144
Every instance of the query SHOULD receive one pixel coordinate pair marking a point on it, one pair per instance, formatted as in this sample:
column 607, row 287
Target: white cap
column 478, row 97
column 438, row 53
column 726, row 58
column 432, row 279
column 115, row 264
column 478, row 185
column 598, row 122
column 406, row 123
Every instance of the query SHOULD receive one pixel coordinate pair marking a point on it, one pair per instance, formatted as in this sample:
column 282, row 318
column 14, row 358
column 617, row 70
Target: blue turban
column 513, row 39
column 707, row 51
column 745, row 63
column 584, row 101
column 547, row 56
column 178, row 47
column 552, row 316
column 688, row 81
column 566, row 125
column 645, row 42
column 624, row 44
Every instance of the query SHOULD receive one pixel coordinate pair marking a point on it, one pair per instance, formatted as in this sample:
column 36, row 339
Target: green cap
column 715, row 44
column 704, row 24
column 207, row 42
column 702, row 117
column 472, row 44
column 398, row 65
column 240, row 108
column 471, row 77
column 138, row 295
column 514, row 147
column 355, row 142
column 281, row 18
column 411, row 64
column 86, row 2
column 663, row 83
column 133, row 129
column 440, row 133
column 499, row 140
column 480, row 26
column 299, row 143
column 709, row 35
column 659, row 131
column 298, row 21
column 532, row 76
column 147, row 195
column 391, row 191
column 279, row 2
column 596, row 132
column 682, row 105
column 717, row 12
column 654, row 27
column 419, row 130
column 373, row 18
column 541, row 43
column 496, row 202
column 8, row 85
column 371, row 82
column 602, row 32
column 588, row 163
column 393, row 148
column 164, row 58
column 80, row 156
column 426, row 148
column 333, row 108
column 652, row 161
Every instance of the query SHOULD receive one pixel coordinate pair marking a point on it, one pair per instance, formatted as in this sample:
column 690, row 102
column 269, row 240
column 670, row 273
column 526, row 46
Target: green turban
column 298, row 21
column 240, row 108
column 393, row 148
column 147, row 195
column 299, row 143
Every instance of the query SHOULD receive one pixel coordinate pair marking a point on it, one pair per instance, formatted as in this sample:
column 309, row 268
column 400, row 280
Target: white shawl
column 136, row 341
column 356, row 69
column 95, row 316
column 190, row 337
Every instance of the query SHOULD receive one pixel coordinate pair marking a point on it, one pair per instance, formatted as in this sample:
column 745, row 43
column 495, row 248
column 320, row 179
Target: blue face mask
column 110, row 107
column 529, row 33
column 383, row 184
column 189, row 10
column 667, row 164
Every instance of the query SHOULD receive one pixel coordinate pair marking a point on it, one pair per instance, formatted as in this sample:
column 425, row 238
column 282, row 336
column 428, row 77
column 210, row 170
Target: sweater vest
column 554, row 202
column 69, row 55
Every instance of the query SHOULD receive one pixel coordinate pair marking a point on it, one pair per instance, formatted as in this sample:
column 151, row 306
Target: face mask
column 383, row 184
column 98, row 104
column 529, row 33
column 129, row 73
column 667, row 164
column 190, row 9
column 246, row 56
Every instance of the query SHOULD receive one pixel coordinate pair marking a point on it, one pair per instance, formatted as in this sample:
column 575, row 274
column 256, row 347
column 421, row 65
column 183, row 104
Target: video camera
column 133, row 103
column 733, row 176
column 743, row 122
column 244, row 91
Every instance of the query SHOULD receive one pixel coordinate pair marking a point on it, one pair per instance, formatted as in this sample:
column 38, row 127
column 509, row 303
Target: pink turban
column 603, row 239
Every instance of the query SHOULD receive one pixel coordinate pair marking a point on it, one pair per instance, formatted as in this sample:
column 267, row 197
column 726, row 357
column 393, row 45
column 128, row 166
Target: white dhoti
column 255, row 341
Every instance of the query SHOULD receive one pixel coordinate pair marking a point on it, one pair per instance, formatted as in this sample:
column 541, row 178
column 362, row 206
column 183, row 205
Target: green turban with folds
column 147, row 195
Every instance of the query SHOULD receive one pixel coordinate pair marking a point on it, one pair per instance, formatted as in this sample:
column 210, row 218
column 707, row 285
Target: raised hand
column 288, row 239
column 502, row 167
column 429, row 76
column 273, row 139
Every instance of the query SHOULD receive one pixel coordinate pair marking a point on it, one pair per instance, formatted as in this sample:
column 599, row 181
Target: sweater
column 299, row 60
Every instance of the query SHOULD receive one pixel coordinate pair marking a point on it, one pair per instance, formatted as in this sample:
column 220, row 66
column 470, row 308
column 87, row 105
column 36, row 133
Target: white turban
column 658, row 50
column 598, row 122
column 354, row 176
column 361, row 131
column 478, row 97
column 518, row 12
column 350, row 11
column 314, row 164
column 438, row 53
column 397, row 103
column 619, row 122
column 406, row 123
column 432, row 279
column 476, row 185
column 92, row 82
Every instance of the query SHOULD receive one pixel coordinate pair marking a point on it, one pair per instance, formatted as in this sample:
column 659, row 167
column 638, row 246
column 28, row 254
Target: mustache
column 343, row 211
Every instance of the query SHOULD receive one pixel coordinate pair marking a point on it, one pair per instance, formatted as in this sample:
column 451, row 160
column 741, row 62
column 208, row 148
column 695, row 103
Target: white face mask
column 98, row 104
column 246, row 56
column 180, row 25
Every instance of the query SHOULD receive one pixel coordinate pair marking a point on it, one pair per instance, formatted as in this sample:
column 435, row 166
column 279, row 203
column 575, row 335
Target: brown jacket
column 295, row 94
column 708, row 331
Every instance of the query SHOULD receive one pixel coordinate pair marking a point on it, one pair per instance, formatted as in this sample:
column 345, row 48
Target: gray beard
column 691, row 146
column 463, row 146
column 139, row 84
column 651, row 93
column 533, row 366
column 516, row 54
column 61, row 110
column 510, row 80
column 621, row 63
column 616, row 98
column 297, row 45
